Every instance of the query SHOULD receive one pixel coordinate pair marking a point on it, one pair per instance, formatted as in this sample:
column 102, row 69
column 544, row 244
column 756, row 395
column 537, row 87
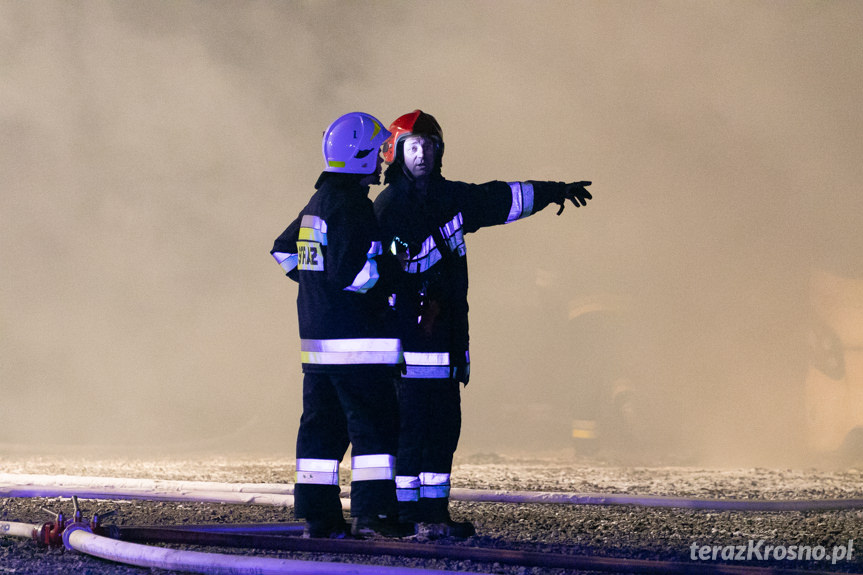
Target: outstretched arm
column 495, row 203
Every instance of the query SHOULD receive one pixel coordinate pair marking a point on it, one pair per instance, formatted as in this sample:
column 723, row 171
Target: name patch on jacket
column 310, row 257
column 313, row 235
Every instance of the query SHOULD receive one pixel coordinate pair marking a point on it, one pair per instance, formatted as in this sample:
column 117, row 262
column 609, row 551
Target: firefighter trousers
column 430, row 424
column 358, row 408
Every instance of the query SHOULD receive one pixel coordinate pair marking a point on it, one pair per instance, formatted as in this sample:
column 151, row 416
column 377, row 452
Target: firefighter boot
column 436, row 522
column 380, row 526
column 335, row 528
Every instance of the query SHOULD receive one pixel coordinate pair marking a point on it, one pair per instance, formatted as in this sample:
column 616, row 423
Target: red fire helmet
column 415, row 123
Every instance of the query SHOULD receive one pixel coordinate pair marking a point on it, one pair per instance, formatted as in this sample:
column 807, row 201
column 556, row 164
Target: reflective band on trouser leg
column 522, row 201
column 434, row 485
column 351, row 351
column 318, row 471
column 373, row 467
column 407, row 488
column 427, row 365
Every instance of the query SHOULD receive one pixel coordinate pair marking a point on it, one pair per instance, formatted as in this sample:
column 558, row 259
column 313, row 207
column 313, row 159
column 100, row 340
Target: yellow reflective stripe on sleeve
column 313, row 228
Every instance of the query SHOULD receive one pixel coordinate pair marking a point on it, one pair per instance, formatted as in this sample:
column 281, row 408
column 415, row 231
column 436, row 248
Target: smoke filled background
column 150, row 152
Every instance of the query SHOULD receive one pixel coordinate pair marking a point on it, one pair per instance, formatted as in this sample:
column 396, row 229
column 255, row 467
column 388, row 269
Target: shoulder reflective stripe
column 454, row 236
column 407, row 482
column 351, row 351
column 427, row 478
column 287, row 261
column 522, row 201
column 372, row 467
column 420, row 358
column 318, row 471
column 368, row 276
column 313, row 228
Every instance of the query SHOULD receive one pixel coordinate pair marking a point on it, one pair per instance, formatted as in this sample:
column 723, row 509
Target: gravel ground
column 608, row 531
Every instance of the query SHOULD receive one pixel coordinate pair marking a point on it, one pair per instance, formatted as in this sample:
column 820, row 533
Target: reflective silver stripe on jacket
column 313, row 229
column 287, row 261
column 434, row 365
column 429, row 255
column 368, row 276
column 407, row 487
column 373, row 467
column 318, row 471
column 427, row 365
column 351, row 351
column 453, row 234
column 522, row 201
column 434, row 485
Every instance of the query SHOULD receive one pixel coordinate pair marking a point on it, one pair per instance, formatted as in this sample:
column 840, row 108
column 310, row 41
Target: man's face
column 419, row 152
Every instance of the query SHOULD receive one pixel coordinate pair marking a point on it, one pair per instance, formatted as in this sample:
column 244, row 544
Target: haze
column 151, row 152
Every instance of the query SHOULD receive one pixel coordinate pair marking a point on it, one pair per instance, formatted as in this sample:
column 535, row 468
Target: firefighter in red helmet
column 424, row 218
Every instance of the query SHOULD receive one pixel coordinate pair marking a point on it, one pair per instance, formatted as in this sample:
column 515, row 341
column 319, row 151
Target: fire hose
column 123, row 543
column 25, row 485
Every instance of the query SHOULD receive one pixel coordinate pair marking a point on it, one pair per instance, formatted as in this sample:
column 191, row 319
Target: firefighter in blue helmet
column 350, row 354
column 424, row 219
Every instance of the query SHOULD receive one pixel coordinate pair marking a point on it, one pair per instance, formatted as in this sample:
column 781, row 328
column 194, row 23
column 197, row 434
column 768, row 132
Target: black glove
column 575, row 192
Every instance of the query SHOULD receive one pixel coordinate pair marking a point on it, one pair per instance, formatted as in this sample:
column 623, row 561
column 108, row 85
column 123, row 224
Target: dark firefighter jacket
column 333, row 251
column 428, row 231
